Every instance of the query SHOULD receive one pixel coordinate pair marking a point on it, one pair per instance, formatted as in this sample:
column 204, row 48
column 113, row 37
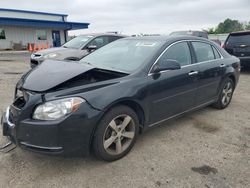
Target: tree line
column 229, row 26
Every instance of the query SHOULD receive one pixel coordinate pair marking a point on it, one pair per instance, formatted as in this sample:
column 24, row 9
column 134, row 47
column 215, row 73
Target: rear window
column 113, row 38
column 239, row 39
column 216, row 53
column 203, row 51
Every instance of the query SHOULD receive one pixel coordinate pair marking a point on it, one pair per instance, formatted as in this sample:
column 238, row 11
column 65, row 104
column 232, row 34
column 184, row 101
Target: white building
column 18, row 28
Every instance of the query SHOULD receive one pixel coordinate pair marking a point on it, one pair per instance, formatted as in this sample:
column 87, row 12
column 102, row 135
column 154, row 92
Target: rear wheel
column 226, row 94
column 116, row 133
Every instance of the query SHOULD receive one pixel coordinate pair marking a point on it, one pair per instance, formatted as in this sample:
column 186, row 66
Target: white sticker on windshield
column 146, row 44
column 84, row 40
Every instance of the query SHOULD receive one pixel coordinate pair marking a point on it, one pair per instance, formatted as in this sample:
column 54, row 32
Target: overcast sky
column 140, row 16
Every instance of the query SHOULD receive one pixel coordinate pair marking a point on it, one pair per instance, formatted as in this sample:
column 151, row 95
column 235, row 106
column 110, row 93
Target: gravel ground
column 207, row 148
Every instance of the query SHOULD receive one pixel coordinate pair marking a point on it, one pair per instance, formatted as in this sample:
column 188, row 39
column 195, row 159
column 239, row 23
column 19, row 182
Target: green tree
column 210, row 31
column 229, row 26
column 247, row 26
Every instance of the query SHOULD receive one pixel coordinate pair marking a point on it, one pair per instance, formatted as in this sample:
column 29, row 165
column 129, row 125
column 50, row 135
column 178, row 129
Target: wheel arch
column 137, row 109
column 232, row 77
column 135, row 106
column 228, row 75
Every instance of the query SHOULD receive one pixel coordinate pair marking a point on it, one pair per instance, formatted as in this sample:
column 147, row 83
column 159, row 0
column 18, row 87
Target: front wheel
column 116, row 133
column 226, row 94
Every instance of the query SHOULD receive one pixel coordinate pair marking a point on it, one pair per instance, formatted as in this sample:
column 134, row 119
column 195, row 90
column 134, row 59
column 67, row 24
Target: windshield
column 123, row 55
column 77, row 42
column 239, row 39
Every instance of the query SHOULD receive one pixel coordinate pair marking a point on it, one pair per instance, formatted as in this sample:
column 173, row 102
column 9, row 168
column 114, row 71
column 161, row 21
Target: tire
column 225, row 95
column 116, row 134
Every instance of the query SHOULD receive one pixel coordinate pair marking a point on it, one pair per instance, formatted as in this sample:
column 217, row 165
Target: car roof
column 102, row 34
column 240, row 32
column 168, row 38
column 189, row 31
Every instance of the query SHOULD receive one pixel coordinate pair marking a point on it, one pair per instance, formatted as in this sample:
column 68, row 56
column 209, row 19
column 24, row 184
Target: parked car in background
column 103, row 101
column 202, row 34
column 75, row 49
column 238, row 44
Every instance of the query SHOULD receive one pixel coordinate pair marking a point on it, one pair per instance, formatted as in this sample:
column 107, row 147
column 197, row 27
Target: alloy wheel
column 227, row 93
column 119, row 134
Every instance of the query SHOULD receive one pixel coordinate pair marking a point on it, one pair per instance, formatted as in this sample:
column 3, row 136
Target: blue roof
column 31, row 12
column 43, row 23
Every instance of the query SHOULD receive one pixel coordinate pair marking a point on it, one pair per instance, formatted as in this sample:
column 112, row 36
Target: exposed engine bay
column 91, row 76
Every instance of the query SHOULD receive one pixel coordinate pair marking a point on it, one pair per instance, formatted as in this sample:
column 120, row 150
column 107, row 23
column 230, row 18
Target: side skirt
column 182, row 113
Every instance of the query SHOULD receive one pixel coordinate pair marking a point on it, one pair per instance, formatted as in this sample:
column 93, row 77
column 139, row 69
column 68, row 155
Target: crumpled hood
column 63, row 53
column 52, row 73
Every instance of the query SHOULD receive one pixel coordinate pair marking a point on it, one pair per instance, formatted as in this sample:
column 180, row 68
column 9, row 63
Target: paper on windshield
column 146, row 44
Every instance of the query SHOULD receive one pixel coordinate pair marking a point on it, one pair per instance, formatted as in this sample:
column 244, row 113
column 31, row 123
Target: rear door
column 172, row 92
column 211, row 71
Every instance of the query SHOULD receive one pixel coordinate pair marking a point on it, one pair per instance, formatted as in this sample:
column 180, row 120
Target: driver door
column 173, row 91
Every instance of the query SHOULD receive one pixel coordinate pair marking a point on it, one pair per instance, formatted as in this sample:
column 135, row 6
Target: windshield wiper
column 114, row 70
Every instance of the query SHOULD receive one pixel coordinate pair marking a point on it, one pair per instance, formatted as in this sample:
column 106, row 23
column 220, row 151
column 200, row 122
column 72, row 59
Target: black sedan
column 102, row 102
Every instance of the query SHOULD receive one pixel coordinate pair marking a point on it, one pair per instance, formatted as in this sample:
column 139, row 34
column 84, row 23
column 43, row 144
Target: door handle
column 222, row 65
column 193, row 73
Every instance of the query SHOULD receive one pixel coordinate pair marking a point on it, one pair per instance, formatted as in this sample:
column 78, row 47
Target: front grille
column 37, row 55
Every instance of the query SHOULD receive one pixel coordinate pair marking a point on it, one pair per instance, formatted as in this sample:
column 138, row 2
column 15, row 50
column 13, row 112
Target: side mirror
column 166, row 64
column 91, row 48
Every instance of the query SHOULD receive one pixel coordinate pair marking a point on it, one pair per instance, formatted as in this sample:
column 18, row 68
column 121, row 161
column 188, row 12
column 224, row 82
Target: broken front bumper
column 8, row 127
column 69, row 136
column 9, row 132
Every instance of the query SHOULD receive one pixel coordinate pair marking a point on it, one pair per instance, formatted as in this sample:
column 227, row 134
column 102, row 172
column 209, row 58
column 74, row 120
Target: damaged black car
column 101, row 103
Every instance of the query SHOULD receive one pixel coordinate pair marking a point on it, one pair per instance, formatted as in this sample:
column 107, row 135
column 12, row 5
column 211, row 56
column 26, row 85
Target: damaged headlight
column 56, row 109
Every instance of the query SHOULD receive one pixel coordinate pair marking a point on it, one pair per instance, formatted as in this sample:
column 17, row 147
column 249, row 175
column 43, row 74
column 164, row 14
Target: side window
column 216, row 53
column 113, row 38
column 99, row 41
column 203, row 51
column 41, row 34
column 179, row 52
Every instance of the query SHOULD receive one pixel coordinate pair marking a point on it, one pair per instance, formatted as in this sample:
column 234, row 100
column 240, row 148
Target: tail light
column 223, row 45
